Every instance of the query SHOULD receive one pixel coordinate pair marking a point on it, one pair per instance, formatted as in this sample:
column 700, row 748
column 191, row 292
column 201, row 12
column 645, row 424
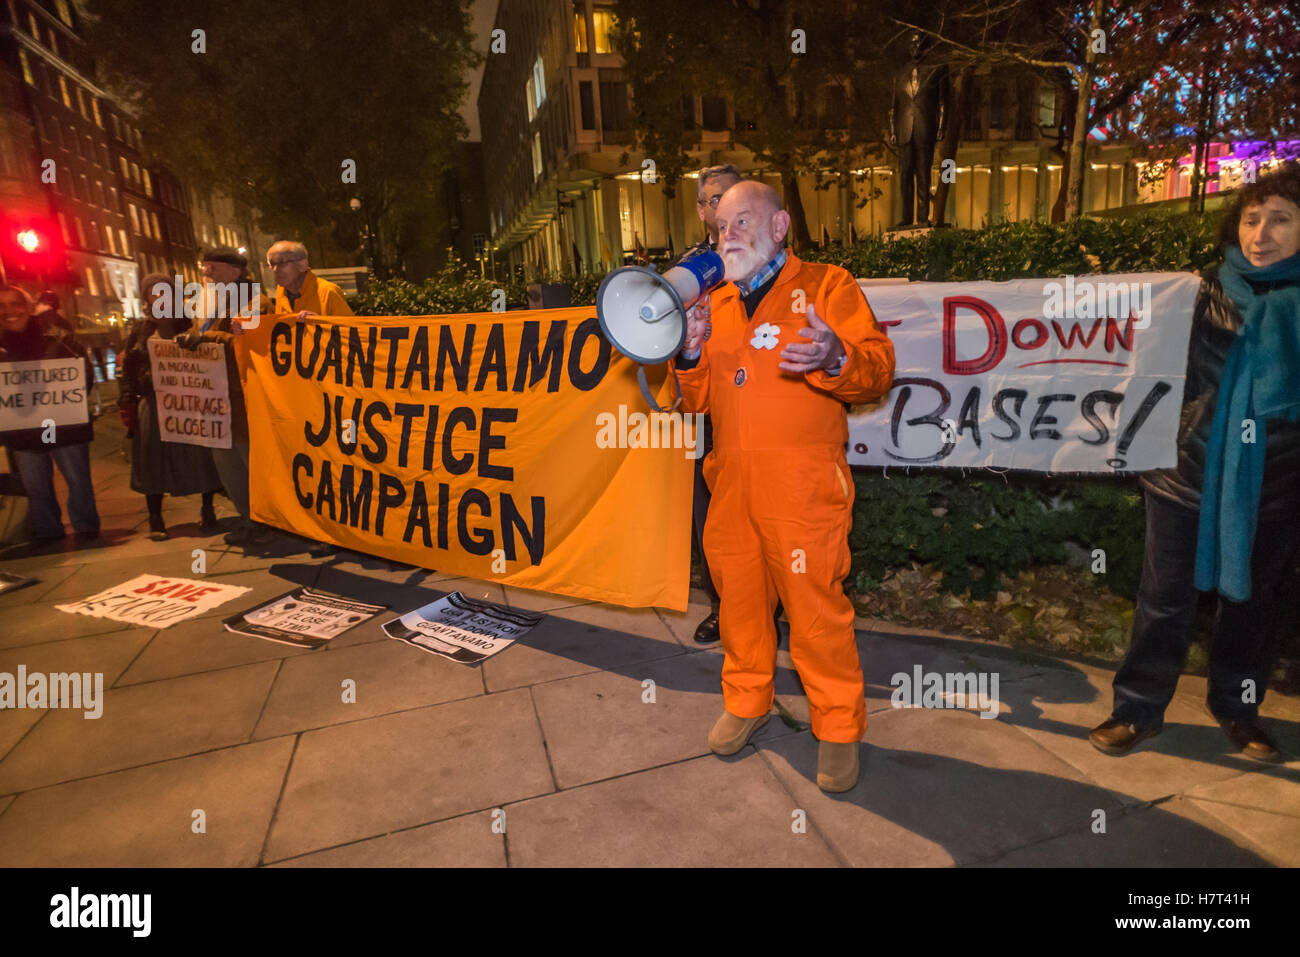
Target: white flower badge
column 765, row 336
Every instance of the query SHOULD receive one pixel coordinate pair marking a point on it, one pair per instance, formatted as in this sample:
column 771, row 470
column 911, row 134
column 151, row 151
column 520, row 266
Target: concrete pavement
column 559, row 751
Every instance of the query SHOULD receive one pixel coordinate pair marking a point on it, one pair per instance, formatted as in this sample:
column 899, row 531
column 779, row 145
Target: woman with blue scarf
column 1226, row 518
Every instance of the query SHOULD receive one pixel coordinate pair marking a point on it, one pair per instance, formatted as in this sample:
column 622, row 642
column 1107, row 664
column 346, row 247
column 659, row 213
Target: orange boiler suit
column 782, row 502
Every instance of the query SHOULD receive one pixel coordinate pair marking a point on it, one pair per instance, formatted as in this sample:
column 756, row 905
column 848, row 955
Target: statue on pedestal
column 916, row 122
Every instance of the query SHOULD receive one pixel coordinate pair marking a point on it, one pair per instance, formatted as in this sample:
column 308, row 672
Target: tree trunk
column 1079, row 132
column 950, row 142
column 1196, row 199
column 800, row 238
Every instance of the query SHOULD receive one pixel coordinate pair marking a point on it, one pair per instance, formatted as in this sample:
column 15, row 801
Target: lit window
column 32, row 27
column 135, row 173
column 54, row 42
column 135, row 219
column 65, row 14
column 126, row 171
column 63, row 227
column 153, row 218
column 539, row 82
column 91, row 283
column 579, row 31
column 148, row 184
column 602, row 22
column 63, row 89
column 530, row 98
column 126, row 248
column 537, row 155
column 81, row 232
column 112, row 243
column 94, row 235
column 27, row 67
column 99, row 118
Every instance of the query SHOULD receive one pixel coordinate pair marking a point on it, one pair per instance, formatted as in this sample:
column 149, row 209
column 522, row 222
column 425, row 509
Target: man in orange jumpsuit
column 784, row 346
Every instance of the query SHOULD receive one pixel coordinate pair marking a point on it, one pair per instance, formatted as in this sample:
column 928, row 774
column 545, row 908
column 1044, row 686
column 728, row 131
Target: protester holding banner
column 225, row 268
column 1227, row 516
column 160, row 468
column 299, row 290
column 36, row 451
column 782, row 502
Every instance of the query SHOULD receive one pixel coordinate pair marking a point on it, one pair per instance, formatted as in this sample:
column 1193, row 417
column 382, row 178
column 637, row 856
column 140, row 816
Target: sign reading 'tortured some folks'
column 39, row 391
column 1076, row 374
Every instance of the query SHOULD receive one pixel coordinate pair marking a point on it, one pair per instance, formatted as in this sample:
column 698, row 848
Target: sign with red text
column 1074, row 374
column 155, row 601
column 193, row 393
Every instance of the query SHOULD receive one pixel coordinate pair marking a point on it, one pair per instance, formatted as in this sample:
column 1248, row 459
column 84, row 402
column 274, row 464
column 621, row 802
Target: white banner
column 461, row 628
column 1075, row 374
column 302, row 617
column 192, row 391
column 155, row 601
column 32, row 392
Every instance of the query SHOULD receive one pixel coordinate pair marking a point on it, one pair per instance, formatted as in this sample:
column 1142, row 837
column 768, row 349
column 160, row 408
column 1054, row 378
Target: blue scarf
column 1261, row 381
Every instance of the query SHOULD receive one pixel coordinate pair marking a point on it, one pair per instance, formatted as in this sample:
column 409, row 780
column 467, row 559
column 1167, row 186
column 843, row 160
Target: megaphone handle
column 650, row 399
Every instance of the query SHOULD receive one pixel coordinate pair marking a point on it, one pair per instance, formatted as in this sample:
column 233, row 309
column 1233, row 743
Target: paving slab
column 603, row 724
column 580, row 639
column 141, row 724
column 706, row 812
column 467, row 841
column 367, row 778
column 917, row 804
column 36, row 625
column 144, row 817
column 200, row 645
column 682, row 625
column 388, row 676
column 1057, row 712
column 47, row 579
column 1175, row 833
column 540, row 600
column 106, row 655
column 1275, row 836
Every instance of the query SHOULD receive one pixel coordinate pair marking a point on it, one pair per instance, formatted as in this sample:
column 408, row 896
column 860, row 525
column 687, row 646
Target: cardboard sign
column 461, row 628
column 193, row 393
column 43, row 389
column 154, row 601
column 303, row 618
column 1076, row 374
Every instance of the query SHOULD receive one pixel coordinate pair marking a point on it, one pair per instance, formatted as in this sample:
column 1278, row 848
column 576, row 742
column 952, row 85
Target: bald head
column 751, row 228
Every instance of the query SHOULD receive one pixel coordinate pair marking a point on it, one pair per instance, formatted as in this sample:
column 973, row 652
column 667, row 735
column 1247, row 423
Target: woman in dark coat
column 160, row 468
column 1226, row 518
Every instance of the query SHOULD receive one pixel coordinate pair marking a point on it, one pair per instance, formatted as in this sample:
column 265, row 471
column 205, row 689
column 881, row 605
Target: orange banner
column 511, row 447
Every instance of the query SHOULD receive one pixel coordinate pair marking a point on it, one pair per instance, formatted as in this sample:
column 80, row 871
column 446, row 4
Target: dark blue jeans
column 37, row 471
column 1245, row 641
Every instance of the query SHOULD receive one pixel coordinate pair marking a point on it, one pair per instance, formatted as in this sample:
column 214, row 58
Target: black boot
column 208, row 519
column 157, row 530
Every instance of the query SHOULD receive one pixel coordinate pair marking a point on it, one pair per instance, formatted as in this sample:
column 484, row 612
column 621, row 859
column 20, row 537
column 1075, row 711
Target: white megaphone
column 643, row 314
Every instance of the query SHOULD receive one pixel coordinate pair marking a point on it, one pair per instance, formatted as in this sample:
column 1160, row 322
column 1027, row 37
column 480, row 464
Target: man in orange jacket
column 788, row 344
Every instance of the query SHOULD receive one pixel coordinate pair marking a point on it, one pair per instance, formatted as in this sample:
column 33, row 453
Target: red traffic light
column 29, row 240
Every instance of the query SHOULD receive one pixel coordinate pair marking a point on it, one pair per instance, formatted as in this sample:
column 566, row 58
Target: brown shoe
column 1115, row 737
column 1250, row 739
column 837, row 765
column 730, row 733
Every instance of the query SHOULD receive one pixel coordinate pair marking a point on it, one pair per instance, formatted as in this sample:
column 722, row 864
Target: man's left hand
column 823, row 351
